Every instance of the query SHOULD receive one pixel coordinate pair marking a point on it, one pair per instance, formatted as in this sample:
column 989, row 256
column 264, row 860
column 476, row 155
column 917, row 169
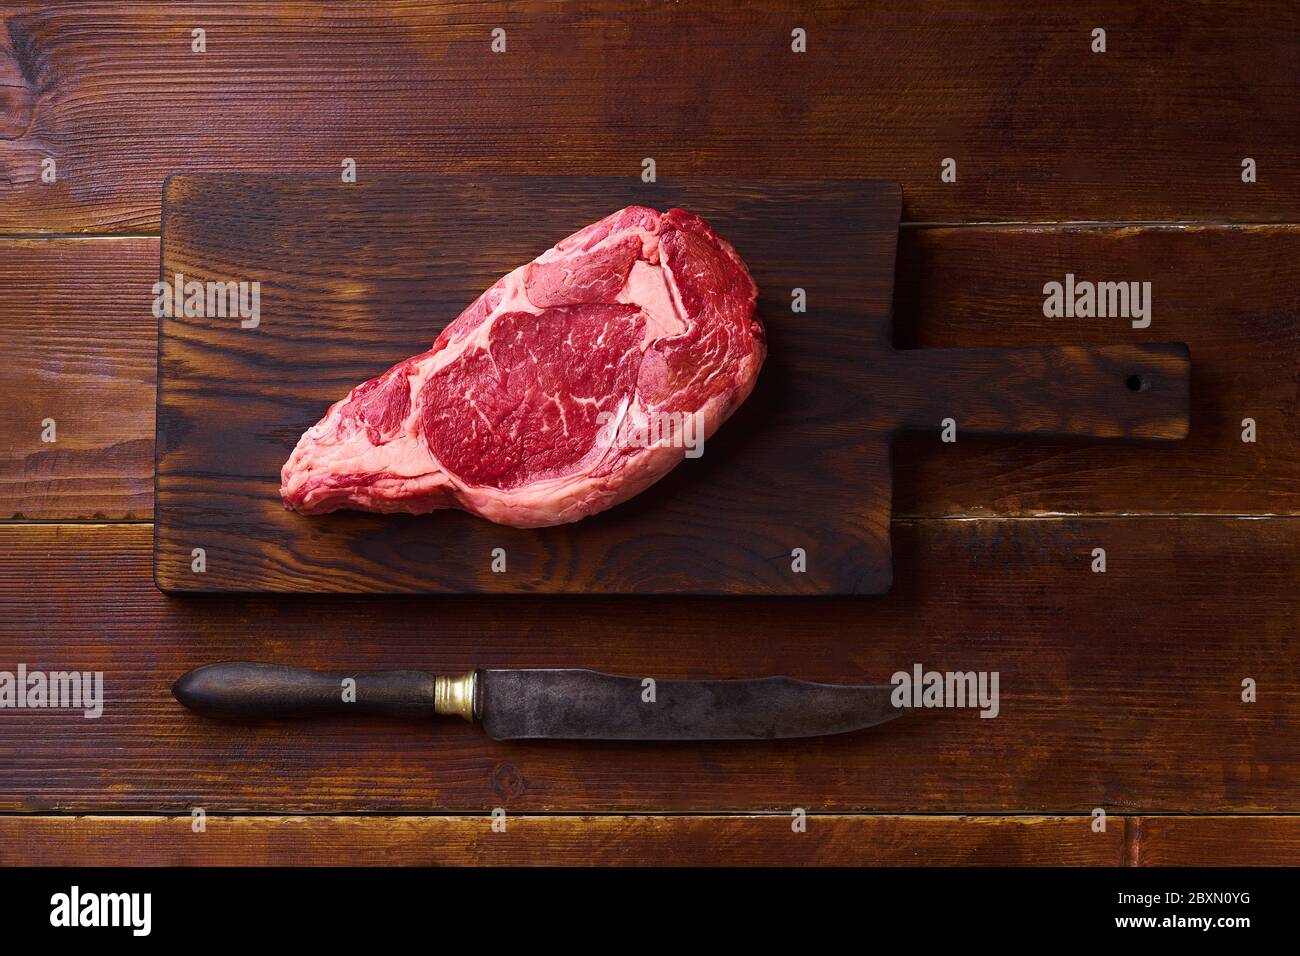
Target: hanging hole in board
column 1136, row 383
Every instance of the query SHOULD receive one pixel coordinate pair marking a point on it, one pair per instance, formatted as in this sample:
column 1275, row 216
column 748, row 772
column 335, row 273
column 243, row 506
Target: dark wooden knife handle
column 243, row 690
column 1110, row 391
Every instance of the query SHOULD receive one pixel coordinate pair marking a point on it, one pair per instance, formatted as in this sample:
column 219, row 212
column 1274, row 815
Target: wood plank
column 83, row 306
column 1120, row 690
column 692, row 840
column 1216, row 841
column 1041, row 128
column 79, row 347
column 803, row 466
column 829, row 840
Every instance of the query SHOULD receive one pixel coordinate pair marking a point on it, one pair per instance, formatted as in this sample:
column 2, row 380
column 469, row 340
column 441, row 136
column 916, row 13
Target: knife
column 546, row 704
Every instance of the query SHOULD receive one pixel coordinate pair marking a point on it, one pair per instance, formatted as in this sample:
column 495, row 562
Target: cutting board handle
column 1111, row 391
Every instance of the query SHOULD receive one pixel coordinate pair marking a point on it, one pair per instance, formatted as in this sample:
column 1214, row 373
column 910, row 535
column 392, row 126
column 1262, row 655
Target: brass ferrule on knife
column 453, row 694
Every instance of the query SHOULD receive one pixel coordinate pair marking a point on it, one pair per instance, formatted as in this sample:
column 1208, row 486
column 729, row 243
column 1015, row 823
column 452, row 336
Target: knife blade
column 558, row 704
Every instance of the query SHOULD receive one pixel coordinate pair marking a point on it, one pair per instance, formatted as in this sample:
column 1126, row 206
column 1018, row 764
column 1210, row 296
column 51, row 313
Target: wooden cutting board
column 792, row 495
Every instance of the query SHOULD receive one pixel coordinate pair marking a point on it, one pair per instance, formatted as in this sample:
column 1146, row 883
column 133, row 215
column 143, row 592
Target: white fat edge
column 649, row 241
column 649, row 287
column 674, row 293
column 403, row 456
column 606, row 437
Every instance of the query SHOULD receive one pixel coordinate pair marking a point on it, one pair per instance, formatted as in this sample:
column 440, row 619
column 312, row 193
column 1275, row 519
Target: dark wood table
column 1120, row 691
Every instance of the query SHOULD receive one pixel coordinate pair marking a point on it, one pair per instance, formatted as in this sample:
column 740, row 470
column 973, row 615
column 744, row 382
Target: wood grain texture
column 647, row 840
column 1228, row 292
column 830, row 840
column 1124, row 687
column 1041, row 128
column 802, row 467
column 1115, row 391
column 1120, row 690
column 1217, row 841
column 77, row 348
column 356, row 278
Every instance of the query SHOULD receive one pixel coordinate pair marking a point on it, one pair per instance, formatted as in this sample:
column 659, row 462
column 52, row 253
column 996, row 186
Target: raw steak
column 569, row 386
